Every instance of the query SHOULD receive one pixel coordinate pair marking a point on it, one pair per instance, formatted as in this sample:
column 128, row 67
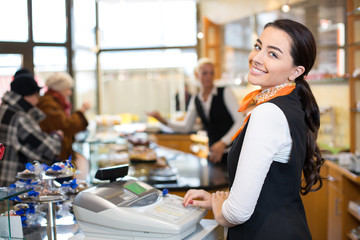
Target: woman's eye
column 273, row 55
column 257, row 47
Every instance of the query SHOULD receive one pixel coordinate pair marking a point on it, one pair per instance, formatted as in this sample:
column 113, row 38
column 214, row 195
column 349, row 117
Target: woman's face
column 206, row 75
column 67, row 92
column 270, row 62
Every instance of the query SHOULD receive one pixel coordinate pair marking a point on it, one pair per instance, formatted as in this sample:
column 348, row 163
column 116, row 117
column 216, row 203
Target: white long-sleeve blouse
column 267, row 139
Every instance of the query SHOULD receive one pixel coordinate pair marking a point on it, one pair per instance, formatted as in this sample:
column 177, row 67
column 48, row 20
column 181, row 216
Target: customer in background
column 20, row 130
column 57, row 107
column 276, row 145
column 217, row 109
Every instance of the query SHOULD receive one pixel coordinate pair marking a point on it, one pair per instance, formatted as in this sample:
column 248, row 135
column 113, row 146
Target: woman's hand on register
column 203, row 198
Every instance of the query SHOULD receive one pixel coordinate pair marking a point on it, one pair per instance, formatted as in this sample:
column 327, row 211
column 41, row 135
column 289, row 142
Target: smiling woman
column 276, row 144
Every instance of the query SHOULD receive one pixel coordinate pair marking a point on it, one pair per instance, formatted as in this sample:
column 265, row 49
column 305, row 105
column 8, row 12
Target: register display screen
column 135, row 188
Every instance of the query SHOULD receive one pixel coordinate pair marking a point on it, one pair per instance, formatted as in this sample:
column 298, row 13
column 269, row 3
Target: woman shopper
column 58, row 109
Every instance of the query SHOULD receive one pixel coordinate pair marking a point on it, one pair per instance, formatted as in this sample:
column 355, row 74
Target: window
column 163, row 45
column 49, row 21
column 48, row 60
column 136, row 82
column 133, row 24
column 9, row 64
column 145, row 46
column 14, row 21
column 84, row 24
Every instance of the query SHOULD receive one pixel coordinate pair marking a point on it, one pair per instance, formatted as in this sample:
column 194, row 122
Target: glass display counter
column 5, row 194
column 173, row 169
column 48, row 195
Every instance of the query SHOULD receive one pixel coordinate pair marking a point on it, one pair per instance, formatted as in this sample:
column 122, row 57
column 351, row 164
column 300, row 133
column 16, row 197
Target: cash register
column 131, row 209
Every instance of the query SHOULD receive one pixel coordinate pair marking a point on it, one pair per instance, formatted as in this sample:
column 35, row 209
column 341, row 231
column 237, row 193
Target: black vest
column 220, row 119
column 279, row 213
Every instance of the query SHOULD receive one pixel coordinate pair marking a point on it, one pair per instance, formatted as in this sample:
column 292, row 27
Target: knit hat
column 22, row 71
column 24, row 84
column 59, row 81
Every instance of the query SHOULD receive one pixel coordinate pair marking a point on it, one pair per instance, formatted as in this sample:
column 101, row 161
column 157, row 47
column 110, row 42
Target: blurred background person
column 217, row 108
column 56, row 105
column 20, row 130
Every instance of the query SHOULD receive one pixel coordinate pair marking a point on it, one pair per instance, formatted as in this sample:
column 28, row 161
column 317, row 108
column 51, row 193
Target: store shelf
column 354, row 214
column 351, row 236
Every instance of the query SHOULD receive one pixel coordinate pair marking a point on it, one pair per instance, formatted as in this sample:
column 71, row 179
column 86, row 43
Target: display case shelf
column 354, row 214
column 352, row 237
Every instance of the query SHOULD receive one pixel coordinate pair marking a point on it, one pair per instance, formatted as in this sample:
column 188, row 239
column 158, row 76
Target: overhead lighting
column 285, row 8
column 200, row 35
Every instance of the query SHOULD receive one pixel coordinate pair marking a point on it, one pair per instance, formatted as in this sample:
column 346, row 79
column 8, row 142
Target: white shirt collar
column 213, row 92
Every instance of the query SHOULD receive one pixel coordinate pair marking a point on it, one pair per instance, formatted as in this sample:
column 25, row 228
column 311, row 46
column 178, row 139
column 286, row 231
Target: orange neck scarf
column 259, row 97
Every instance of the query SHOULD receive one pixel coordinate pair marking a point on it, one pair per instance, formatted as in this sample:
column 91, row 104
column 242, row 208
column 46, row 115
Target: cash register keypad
column 171, row 208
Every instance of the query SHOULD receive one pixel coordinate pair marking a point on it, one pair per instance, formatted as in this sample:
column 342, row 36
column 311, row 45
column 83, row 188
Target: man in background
column 20, row 131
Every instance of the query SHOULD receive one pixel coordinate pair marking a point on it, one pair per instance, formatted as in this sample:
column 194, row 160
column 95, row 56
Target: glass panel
column 235, row 66
column 49, row 21
column 239, row 34
column 331, row 28
column 48, row 60
column 147, row 23
column 296, row 14
column 136, row 82
column 264, row 18
column 86, row 81
column 329, row 63
column 9, row 64
column 84, row 23
column 14, row 21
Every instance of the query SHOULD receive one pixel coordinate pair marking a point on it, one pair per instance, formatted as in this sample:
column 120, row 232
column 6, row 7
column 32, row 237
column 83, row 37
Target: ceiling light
column 285, row 8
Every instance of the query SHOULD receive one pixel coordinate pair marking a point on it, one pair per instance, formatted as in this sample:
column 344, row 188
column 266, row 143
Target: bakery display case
column 40, row 197
column 160, row 166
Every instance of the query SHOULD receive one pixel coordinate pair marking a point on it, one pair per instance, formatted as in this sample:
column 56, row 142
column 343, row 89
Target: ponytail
column 313, row 159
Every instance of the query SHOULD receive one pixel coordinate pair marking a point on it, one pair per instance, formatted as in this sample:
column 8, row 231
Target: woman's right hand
column 85, row 106
column 157, row 116
column 203, row 198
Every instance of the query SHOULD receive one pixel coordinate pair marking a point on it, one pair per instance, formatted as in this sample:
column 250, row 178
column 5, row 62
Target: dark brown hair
column 303, row 52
